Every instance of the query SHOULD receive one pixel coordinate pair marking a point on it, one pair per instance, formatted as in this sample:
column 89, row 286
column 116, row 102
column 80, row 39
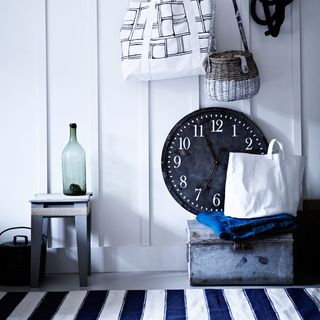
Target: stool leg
column 89, row 242
column 36, row 241
column 45, row 226
column 82, row 244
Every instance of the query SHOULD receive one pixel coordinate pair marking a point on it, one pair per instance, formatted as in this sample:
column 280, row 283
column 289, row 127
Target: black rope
column 273, row 21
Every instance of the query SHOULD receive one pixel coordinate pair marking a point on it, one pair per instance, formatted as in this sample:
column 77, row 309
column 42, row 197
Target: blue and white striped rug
column 190, row 304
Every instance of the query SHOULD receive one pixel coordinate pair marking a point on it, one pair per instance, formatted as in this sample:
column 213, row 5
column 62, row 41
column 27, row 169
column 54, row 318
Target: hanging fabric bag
column 263, row 185
column 230, row 75
column 163, row 40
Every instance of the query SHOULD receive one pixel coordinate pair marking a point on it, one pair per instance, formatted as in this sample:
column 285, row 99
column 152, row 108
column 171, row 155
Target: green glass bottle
column 74, row 166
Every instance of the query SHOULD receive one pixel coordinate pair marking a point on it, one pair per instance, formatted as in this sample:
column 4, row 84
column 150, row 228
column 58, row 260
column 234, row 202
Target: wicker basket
column 227, row 82
column 230, row 75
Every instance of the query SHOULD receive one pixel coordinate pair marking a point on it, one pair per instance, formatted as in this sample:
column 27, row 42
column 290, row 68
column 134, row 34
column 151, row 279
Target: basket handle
column 44, row 237
column 14, row 229
column 212, row 41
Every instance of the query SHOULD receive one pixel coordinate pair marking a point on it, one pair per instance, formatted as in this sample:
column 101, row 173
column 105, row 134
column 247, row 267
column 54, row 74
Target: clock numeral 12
column 198, row 130
column 217, row 125
column 184, row 143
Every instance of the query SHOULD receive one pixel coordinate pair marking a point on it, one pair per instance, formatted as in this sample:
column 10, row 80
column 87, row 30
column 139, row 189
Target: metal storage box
column 260, row 261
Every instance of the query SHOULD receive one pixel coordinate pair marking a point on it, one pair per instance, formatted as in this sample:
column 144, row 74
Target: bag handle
column 15, row 239
column 271, row 148
column 212, row 41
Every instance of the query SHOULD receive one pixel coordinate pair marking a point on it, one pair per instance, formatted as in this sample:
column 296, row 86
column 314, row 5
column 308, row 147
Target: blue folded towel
column 228, row 228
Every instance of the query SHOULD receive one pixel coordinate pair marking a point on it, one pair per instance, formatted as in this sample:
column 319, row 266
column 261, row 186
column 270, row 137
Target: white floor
column 111, row 281
column 117, row 281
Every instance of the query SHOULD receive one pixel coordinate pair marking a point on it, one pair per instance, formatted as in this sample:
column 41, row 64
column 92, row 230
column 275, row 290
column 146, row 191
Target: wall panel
column 22, row 107
column 63, row 58
column 120, row 133
column 72, row 88
column 273, row 104
column 310, row 82
column 170, row 101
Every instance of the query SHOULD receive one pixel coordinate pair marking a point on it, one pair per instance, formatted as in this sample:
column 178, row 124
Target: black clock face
column 196, row 151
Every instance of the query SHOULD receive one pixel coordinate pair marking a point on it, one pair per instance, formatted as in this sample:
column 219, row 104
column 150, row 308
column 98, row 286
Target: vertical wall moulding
column 96, row 233
column 42, row 116
column 144, row 200
column 296, row 77
column 245, row 15
column 195, row 95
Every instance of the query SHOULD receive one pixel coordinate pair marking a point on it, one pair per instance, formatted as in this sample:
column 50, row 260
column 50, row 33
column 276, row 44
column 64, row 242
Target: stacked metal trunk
column 259, row 261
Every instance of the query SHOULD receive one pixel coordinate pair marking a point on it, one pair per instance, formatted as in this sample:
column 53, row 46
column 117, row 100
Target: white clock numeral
column 177, row 161
column 183, row 182
column 217, row 125
column 216, row 200
column 198, row 195
column 184, row 143
column 198, row 130
column 249, row 143
column 234, row 130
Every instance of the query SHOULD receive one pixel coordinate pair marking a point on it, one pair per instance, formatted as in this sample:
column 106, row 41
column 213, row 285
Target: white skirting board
column 120, row 259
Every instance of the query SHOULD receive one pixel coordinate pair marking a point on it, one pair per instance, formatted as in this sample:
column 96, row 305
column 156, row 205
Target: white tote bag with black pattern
column 163, row 39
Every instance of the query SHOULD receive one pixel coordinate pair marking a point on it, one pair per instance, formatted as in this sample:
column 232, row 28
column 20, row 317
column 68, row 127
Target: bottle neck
column 73, row 135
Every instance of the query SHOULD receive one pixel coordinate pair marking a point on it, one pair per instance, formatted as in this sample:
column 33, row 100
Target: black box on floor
column 307, row 253
column 15, row 260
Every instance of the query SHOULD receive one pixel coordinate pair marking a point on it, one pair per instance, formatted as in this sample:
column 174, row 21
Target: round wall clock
column 196, row 151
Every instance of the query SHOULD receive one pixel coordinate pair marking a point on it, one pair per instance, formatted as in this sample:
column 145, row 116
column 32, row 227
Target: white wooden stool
column 45, row 206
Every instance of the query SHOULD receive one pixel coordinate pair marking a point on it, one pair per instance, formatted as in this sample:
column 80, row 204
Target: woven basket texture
column 232, row 90
column 225, row 66
column 226, row 81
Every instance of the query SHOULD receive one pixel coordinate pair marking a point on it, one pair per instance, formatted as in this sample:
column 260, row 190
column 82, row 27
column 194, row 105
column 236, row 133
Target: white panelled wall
column 60, row 63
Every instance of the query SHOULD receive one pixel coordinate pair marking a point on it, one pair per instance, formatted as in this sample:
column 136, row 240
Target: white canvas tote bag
column 263, row 185
column 163, row 39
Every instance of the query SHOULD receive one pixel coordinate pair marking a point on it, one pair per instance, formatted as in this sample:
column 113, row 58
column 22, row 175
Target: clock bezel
column 197, row 113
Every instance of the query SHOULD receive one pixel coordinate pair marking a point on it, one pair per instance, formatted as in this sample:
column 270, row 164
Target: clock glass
column 196, row 151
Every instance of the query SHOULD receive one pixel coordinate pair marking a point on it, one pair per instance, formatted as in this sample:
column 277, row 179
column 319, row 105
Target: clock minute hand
column 209, row 144
column 205, row 187
column 215, row 164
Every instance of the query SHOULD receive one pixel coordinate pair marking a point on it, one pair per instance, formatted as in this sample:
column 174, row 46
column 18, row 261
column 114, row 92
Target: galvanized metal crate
column 260, row 261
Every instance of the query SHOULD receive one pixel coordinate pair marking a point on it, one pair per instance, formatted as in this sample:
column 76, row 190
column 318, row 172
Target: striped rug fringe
column 191, row 304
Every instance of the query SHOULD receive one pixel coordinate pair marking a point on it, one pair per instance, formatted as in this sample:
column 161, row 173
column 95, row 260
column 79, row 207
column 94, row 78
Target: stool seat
column 57, row 205
column 58, row 197
column 45, row 206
